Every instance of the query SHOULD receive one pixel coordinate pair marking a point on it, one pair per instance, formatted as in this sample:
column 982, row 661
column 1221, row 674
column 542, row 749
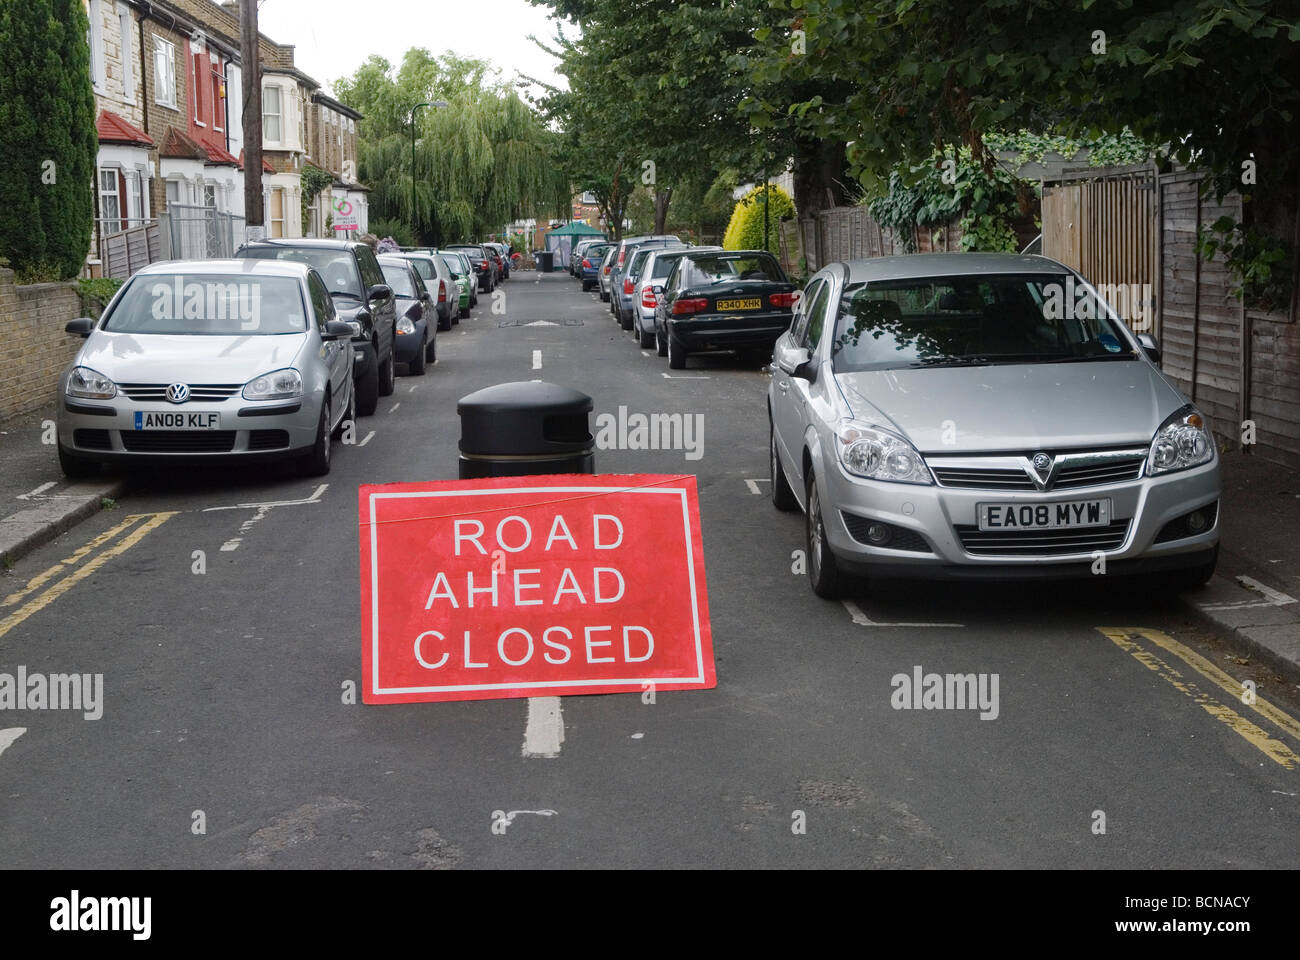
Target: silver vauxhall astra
column 984, row 416
column 238, row 359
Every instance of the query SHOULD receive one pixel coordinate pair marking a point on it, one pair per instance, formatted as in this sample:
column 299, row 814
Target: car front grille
column 268, row 439
column 178, row 441
column 1070, row 471
column 1041, row 543
column 198, row 391
column 976, row 478
column 92, row 439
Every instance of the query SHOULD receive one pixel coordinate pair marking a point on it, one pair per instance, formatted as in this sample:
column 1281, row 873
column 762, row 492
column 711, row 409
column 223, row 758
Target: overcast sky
column 333, row 37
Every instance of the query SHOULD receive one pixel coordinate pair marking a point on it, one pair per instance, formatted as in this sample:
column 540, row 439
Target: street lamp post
column 438, row 104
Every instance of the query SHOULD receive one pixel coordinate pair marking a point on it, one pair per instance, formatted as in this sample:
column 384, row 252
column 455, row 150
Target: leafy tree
column 47, row 138
column 745, row 232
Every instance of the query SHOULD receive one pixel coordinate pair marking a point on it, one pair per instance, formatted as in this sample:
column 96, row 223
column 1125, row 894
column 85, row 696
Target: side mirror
column 380, row 291
column 337, row 330
column 1150, row 346
column 795, row 361
column 657, row 290
column 80, row 327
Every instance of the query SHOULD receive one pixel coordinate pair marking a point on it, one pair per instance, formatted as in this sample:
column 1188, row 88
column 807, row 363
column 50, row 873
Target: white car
column 209, row 359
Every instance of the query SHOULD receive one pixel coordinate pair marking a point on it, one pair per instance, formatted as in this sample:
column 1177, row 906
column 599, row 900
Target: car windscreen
column 454, row 266
column 638, row 261
column 338, row 268
column 703, row 271
column 663, row 265
column 596, row 252
column 973, row 320
column 207, row 304
column 399, row 278
column 424, row 267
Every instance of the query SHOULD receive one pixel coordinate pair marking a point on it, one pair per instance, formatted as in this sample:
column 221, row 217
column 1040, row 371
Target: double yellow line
column 131, row 529
column 1279, row 751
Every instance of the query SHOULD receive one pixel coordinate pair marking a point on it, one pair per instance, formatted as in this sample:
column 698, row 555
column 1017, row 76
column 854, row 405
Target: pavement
column 221, row 609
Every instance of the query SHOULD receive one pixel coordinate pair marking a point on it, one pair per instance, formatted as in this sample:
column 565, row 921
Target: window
column 96, row 40
column 134, row 199
column 196, row 74
column 302, row 123
column 173, row 192
column 110, row 202
column 277, row 211
column 803, row 309
column 218, row 101
column 817, row 317
column 271, row 114
column 210, row 195
column 164, row 72
column 128, row 59
column 322, row 303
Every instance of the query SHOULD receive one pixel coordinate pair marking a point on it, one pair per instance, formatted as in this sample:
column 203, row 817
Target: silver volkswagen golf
column 984, row 416
column 240, row 359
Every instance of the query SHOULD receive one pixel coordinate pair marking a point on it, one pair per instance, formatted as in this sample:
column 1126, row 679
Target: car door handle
column 783, row 386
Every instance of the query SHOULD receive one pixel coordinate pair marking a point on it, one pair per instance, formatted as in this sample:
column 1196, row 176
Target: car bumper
column 936, row 528
column 106, row 430
column 729, row 332
column 408, row 345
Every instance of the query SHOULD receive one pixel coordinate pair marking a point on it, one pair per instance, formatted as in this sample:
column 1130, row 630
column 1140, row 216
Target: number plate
column 1044, row 516
column 176, row 420
column 755, row 304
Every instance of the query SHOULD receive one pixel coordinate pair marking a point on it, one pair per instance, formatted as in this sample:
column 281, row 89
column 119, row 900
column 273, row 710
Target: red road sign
column 532, row 586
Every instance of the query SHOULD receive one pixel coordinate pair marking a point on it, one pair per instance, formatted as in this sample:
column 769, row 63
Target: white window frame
column 98, row 74
column 278, row 113
column 116, row 194
column 164, row 55
column 128, row 60
column 271, row 221
column 218, row 80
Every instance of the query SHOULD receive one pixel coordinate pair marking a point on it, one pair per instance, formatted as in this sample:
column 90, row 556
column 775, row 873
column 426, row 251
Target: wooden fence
column 125, row 252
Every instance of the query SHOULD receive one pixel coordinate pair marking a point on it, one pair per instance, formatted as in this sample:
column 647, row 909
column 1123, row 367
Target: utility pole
column 254, row 215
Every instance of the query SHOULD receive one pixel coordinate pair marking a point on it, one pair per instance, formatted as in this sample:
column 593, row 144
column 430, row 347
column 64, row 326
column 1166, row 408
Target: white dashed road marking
column 394, row 406
column 862, row 620
column 7, row 737
column 367, row 439
column 669, row 376
column 753, row 484
column 38, row 491
column 537, row 359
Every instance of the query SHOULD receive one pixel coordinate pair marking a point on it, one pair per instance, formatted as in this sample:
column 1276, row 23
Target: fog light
column 1197, row 522
column 879, row 534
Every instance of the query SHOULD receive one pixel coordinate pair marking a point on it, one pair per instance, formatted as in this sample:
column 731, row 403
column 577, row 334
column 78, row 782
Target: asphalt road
column 223, row 703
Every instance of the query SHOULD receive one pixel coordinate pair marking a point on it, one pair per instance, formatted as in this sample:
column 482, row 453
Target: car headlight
column 276, row 385
column 1183, row 440
column 878, row 454
column 404, row 325
column 87, row 384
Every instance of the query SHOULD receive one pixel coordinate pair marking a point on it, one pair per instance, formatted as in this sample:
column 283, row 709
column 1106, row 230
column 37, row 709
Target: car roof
column 690, row 252
column 922, row 265
column 393, row 259
column 262, row 268
column 323, row 243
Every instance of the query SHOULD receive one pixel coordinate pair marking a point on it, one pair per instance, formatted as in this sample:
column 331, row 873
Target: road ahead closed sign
column 532, row 586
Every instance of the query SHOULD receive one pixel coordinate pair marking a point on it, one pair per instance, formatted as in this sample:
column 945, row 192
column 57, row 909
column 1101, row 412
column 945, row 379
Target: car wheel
column 661, row 345
column 626, row 319
column 823, row 572
column 676, row 354
column 645, row 339
column 416, row 367
column 75, row 467
column 368, row 386
column 463, row 313
column 445, row 324
column 317, row 463
column 387, row 376
column 431, row 351
column 351, row 413
column 782, row 496
column 453, row 321
column 604, row 297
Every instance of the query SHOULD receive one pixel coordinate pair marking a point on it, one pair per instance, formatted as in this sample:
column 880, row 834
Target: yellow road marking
column 1275, row 750
column 38, row 581
column 42, row 600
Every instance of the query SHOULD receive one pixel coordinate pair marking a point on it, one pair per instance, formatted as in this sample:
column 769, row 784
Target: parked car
column 606, row 268
column 588, row 267
column 466, row 285
column 418, row 319
column 503, row 253
column 482, row 261
column 437, row 277
column 942, row 415
column 209, row 359
column 648, row 278
column 618, row 265
column 361, row 298
column 727, row 300
column 580, row 250
column 624, row 283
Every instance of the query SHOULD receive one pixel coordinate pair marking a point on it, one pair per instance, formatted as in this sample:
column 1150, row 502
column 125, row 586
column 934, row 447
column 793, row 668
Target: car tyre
column 645, row 338
column 463, row 313
column 626, row 319
column 586, row 286
column 824, row 574
column 661, row 345
column 416, row 367
column 676, row 354
column 387, row 376
column 604, row 297
column 1193, row 578
column 75, row 467
column 317, row 463
column 782, row 496
column 367, row 387
column 431, row 351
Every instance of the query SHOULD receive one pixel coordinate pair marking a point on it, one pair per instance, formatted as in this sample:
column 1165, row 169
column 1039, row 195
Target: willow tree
column 484, row 159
